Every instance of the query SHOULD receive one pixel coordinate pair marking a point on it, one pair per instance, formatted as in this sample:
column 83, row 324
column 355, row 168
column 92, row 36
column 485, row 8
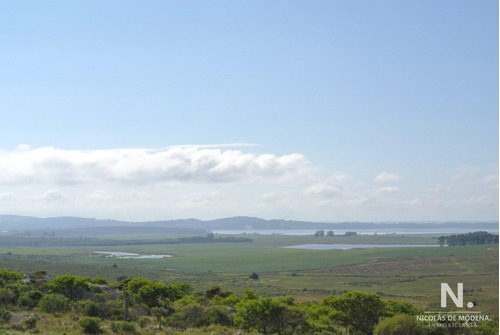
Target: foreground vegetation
column 226, row 288
column 73, row 305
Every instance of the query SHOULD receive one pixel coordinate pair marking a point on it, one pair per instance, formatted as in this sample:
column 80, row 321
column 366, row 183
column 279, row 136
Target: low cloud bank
column 144, row 166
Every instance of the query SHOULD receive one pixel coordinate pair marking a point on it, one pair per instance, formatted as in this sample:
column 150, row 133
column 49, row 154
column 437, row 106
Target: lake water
column 130, row 255
column 297, row 232
column 355, row 246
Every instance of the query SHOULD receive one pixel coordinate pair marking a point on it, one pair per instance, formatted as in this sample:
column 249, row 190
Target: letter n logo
column 457, row 299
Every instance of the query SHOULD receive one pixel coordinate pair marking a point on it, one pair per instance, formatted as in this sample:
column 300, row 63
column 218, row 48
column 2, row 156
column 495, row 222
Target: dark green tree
column 72, row 287
column 393, row 307
column 212, row 292
column 319, row 233
column 360, row 310
column 8, row 277
column 134, row 285
column 254, row 276
column 268, row 316
column 90, row 325
column 400, row 325
column 161, row 296
column 54, row 303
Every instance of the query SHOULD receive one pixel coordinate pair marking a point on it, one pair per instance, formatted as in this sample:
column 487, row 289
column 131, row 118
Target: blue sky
column 312, row 110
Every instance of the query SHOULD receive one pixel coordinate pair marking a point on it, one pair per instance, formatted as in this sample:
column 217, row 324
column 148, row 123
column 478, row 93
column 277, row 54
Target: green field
column 410, row 274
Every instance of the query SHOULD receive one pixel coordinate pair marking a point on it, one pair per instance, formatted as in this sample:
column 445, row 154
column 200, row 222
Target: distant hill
column 73, row 226
column 23, row 223
column 110, row 231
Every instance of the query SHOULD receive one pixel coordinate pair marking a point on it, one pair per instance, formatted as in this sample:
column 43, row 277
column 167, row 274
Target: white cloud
column 7, row 196
column 329, row 187
column 282, row 198
column 197, row 199
column 439, row 189
column 358, row 200
column 98, row 195
column 386, row 189
column 385, row 177
column 216, row 146
column 270, row 195
column 478, row 200
column 491, row 180
column 53, row 196
column 140, row 195
column 211, row 182
column 323, row 189
column 414, row 202
column 139, row 166
column 464, row 172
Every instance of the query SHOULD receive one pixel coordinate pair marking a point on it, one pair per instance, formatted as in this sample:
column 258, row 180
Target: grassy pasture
column 263, row 255
column 410, row 274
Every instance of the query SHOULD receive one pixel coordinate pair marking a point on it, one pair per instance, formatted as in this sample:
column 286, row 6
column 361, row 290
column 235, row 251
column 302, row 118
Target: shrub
column 30, row 322
column 143, row 321
column 10, row 276
column 217, row 315
column 231, row 300
column 72, row 287
column 4, row 315
column 23, row 300
column 268, row 316
column 90, row 308
column 90, row 325
column 112, row 309
column 123, row 327
column 254, row 276
column 16, row 326
column 54, row 303
column 7, row 296
column 399, row 325
column 29, row 299
column 99, row 281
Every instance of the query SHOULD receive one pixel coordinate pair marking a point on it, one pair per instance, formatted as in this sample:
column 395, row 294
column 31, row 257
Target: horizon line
column 256, row 217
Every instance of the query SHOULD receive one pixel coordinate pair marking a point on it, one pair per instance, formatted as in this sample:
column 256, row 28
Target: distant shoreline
column 302, row 232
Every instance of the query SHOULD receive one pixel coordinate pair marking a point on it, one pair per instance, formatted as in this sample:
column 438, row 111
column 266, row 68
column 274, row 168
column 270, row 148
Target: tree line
column 330, row 233
column 479, row 237
column 142, row 306
column 46, row 241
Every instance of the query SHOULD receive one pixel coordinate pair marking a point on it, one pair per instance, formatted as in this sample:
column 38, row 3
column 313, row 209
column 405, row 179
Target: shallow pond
column 120, row 254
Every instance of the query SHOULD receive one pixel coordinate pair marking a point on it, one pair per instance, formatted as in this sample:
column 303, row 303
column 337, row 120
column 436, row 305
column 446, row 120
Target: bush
column 24, row 301
column 4, row 315
column 90, row 308
column 30, row 322
column 135, row 313
column 7, row 296
column 10, row 276
column 143, row 321
column 54, row 303
column 113, row 309
column 30, row 300
column 123, row 328
column 254, row 276
column 99, row 281
column 217, row 315
column 72, row 287
column 399, row 325
column 90, row 325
